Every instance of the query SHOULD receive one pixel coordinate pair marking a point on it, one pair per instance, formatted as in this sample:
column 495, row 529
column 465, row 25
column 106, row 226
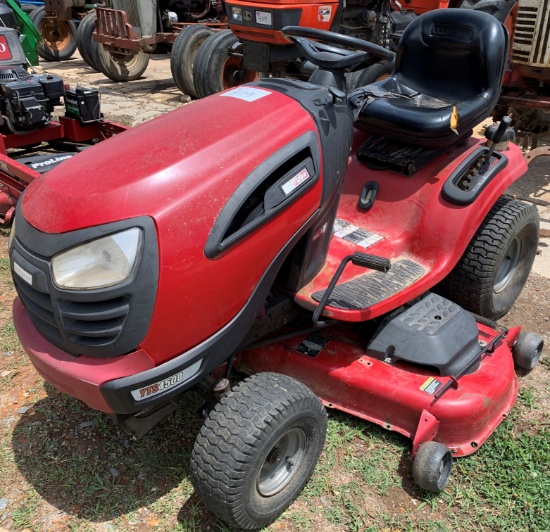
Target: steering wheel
column 333, row 58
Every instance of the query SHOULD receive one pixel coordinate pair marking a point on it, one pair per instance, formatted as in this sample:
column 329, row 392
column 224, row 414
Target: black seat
column 446, row 58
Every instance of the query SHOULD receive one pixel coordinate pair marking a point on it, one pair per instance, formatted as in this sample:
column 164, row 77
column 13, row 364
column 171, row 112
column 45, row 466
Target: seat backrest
column 453, row 54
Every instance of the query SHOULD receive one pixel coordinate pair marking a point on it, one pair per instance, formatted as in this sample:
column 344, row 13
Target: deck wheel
column 527, row 350
column 432, row 466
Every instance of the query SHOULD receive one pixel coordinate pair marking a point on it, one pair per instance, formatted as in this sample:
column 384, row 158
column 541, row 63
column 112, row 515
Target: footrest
column 381, row 153
column 373, row 287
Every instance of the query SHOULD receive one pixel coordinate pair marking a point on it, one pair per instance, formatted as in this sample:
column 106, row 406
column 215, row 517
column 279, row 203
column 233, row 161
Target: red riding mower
column 349, row 250
column 31, row 143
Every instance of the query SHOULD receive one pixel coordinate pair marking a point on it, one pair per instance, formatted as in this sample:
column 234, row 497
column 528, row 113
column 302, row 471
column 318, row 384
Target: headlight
column 99, row 263
column 236, row 14
column 12, row 233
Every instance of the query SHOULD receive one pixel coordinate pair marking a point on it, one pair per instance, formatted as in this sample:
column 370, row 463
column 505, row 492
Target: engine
column 26, row 100
column 375, row 21
column 174, row 11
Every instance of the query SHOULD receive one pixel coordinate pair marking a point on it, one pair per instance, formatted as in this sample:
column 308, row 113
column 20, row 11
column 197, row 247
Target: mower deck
column 399, row 396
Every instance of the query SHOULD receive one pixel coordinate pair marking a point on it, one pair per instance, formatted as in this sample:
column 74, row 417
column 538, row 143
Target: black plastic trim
column 279, row 17
column 34, row 250
column 217, row 242
column 214, row 351
column 453, row 194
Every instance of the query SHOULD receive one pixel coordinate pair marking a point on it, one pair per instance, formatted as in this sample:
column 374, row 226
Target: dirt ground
column 138, row 101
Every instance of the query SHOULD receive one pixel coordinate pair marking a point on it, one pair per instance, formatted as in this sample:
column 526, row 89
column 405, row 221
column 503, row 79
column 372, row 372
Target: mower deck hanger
column 327, row 274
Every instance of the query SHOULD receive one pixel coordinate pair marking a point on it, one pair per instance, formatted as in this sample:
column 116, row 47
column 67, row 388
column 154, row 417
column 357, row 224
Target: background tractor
column 118, row 40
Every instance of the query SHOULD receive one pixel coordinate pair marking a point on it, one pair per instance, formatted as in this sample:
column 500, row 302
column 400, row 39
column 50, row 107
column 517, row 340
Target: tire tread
column 227, row 441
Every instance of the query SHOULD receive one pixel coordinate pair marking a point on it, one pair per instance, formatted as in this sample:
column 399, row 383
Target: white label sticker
column 354, row 234
column 324, row 13
column 248, row 94
column 263, row 17
column 294, row 182
column 24, row 274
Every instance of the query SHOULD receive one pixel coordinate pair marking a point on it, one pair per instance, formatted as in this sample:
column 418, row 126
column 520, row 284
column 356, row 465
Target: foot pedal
column 365, row 260
column 372, row 262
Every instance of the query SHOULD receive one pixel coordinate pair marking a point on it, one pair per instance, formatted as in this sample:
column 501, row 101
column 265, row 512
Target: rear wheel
column 84, row 38
column 217, row 68
column 257, row 449
column 58, row 36
column 494, row 268
column 121, row 67
column 183, row 54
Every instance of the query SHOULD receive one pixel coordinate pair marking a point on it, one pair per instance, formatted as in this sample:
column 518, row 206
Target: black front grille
column 102, row 322
column 94, row 323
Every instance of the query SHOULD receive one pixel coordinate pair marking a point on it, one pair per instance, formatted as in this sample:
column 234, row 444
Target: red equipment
column 198, row 262
column 31, row 143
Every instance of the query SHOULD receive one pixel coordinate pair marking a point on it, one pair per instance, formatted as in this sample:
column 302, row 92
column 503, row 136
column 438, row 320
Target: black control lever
column 497, row 137
column 364, row 260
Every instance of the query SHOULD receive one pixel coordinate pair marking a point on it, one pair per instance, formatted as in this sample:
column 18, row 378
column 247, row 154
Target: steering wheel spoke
column 356, row 54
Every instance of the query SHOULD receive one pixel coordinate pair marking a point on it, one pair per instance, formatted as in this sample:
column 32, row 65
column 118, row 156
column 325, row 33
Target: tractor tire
column 87, row 47
column 121, row 67
column 183, row 54
column 527, row 350
column 432, row 466
column 58, row 36
column 257, row 449
column 215, row 69
column 372, row 74
column 494, row 268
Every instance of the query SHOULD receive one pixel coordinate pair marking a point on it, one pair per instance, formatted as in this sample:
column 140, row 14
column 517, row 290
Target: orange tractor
column 255, row 46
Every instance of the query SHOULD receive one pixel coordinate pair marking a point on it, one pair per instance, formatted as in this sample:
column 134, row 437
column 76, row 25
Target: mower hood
column 198, row 173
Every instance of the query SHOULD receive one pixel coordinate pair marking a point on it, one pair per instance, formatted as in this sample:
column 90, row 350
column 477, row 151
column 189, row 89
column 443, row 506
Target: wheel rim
column 282, row 462
column 508, row 265
column 126, row 60
column 58, row 38
column 444, row 470
column 232, row 75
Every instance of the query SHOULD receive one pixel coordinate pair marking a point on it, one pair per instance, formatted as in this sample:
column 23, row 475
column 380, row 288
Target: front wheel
column 257, row 449
column 87, row 47
column 183, row 54
column 121, row 67
column 494, row 268
column 58, row 36
column 217, row 67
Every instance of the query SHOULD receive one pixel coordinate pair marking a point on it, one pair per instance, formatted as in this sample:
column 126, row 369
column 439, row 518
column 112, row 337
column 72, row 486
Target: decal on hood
column 248, row 94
